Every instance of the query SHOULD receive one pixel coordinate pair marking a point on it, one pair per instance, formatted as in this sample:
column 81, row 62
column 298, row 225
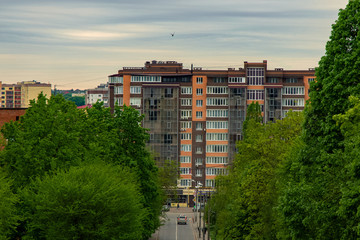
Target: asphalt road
column 172, row 231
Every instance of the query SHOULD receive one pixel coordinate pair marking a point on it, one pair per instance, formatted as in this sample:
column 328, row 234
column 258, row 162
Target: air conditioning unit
column 182, row 129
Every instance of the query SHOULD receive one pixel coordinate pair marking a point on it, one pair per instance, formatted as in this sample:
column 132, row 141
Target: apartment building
column 19, row 95
column 100, row 93
column 195, row 116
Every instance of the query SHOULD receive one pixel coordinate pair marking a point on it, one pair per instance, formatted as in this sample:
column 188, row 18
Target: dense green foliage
column 95, row 201
column 54, row 135
column 79, row 101
column 246, row 199
column 307, row 187
column 8, row 213
column 312, row 201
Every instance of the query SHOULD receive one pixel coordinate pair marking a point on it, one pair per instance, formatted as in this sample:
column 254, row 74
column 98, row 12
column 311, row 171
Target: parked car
column 182, row 219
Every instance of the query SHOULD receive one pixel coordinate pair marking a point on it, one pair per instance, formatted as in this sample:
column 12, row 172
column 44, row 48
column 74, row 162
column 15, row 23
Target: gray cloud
column 129, row 32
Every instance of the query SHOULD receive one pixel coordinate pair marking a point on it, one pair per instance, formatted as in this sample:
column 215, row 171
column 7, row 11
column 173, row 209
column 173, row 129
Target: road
column 172, row 231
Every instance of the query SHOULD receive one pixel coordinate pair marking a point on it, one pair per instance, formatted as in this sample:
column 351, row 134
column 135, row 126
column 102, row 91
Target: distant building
column 19, row 95
column 98, row 94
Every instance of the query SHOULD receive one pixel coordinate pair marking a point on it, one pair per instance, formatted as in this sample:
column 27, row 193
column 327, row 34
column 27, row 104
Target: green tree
column 349, row 211
column 8, row 213
column 246, row 199
column 45, row 139
column 311, row 199
column 94, row 201
column 54, row 134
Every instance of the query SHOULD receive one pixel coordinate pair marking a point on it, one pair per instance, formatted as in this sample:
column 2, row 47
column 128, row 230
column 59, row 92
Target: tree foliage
column 246, row 199
column 97, row 201
column 54, row 135
column 8, row 212
column 311, row 200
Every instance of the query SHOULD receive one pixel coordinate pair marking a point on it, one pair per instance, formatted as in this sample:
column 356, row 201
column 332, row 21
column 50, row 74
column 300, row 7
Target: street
column 172, row 231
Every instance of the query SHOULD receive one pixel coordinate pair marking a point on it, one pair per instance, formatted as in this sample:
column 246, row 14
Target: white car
column 182, row 219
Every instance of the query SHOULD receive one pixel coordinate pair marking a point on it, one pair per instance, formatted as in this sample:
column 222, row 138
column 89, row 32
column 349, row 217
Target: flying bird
column 172, row 34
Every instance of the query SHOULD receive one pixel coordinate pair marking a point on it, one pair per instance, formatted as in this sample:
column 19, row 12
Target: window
column 199, row 114
column 199, row 80
column 199, row 126
column 219, row 113
column 217, row 160
column 255, row 76
column 216, row 171
column 152, row 115
column 216, row 148
column 185, row 136
column 185, row 171
column 199, row 161
column 185, row 159
column 217, row 101
column 310, row 80
column 291, row 80
column 119, row 90
column 219, row 80
column 273, row 80
column 198, row 150
column 145, row 79
column 185, row 114
column 217, row 137
column 119, row 101
column 168, row 125
column 236, row 80
column 209, row 183
column 135, row 90
column 199, row 103
column 293, row 90
column 199, row 91
column 217, row 90
column 185, row 125
column 115, row 79
column 135, row 102
column 186, row 90
column 168, row 138
column 185, row 147
column 293, row 102
column 169, row 92
column 186, row 102
column 255, row 94
column 185, row 182
column 272, row 92
column 217, row 125
column 198, row 172
column 199, row 138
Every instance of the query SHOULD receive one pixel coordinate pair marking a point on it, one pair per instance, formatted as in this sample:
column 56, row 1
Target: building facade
column 19, row 95
column 98, row 94
column 195, row 116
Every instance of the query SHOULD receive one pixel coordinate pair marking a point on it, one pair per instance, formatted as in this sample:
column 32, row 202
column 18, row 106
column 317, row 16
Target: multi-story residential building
column 19, row 95
column 30, row 90
column 10, row 96
column 195, row 116
column 98, row 94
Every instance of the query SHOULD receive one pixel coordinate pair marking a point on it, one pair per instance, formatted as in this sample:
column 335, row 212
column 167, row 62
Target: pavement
column 194, row 221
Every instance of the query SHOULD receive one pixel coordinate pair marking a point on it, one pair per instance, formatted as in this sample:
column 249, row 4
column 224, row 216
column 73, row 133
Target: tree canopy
column 54, row 135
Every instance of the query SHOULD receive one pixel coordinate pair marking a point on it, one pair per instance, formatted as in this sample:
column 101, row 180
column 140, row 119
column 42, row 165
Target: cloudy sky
column 78, row 43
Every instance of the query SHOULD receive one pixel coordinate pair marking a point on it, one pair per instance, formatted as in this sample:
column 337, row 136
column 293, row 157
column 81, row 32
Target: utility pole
column 200, row 219
column 204, row 219
column 208, row 230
